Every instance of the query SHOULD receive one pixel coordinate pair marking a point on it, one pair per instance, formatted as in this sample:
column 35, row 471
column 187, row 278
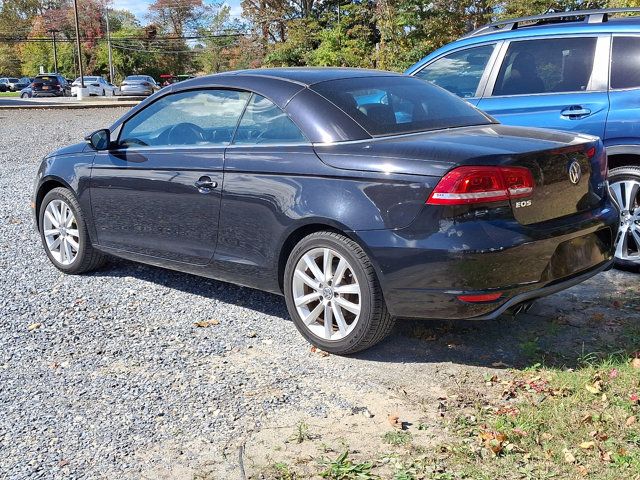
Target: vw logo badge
column 575, row 172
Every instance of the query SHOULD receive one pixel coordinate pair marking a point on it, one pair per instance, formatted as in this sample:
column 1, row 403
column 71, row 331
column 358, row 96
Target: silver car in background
column 138, row 85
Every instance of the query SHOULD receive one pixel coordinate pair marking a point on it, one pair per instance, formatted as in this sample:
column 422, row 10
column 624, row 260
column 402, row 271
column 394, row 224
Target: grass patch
column 556, row 424
column 344, row 469
column 9, row 94
column 397, row 437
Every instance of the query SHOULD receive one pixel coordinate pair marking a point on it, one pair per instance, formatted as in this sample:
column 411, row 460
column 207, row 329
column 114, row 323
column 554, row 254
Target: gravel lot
column 107, row 375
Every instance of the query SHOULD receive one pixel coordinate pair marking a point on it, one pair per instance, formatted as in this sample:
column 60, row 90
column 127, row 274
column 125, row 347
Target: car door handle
column 575, row 111
column 205, row 184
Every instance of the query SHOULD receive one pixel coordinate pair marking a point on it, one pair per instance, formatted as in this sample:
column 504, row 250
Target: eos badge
column 523, row 203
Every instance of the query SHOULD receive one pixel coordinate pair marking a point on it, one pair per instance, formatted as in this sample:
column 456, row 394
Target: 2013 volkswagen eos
column 363, row 196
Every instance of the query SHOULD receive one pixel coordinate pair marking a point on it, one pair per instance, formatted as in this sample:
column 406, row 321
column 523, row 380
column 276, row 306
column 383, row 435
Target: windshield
column 395, row 104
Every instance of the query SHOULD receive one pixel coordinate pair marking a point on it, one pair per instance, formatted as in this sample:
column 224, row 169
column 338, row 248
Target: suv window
column 546, row 66
column 264, row 123
column 460, row 71
column 625, row 62
column 197, row 117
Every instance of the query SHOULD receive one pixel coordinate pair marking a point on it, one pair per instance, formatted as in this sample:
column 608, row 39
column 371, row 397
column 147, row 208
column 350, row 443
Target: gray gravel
column 106, row 375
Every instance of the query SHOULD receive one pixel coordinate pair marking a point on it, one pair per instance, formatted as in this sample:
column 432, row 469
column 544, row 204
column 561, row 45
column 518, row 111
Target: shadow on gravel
column 257, row 300
column 593, row 320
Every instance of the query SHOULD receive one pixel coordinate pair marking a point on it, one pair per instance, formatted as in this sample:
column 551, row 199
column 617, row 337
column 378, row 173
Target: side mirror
column 100, row 139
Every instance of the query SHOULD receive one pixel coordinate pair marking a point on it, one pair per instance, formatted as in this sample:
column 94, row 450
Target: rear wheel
column 333, row 294
column 64, row 236
column 624, row 186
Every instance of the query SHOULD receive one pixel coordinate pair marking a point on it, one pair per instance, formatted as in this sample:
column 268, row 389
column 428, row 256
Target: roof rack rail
column 590, row 16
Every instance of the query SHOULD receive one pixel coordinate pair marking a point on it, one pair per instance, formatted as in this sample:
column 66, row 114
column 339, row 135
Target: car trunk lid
column 547, row 154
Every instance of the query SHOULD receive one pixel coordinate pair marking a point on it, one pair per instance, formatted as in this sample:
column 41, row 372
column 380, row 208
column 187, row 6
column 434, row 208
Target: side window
column 197, row 117
column 546, row 66
column 264, row 123
column 459, row 72
column 625, row 62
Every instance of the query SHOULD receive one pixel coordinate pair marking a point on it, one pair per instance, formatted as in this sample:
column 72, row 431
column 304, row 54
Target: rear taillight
column 465, row 185
column 480, row 298
column 146, row 84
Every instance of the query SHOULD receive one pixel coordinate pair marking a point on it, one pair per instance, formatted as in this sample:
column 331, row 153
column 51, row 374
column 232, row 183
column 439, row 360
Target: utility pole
column 109, row 45
column 75, row 13
column 53, row 32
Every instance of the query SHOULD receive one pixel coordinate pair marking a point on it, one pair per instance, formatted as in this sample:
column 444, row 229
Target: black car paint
column 144, row 205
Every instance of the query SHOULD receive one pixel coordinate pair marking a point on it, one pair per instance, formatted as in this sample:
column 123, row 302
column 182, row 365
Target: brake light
column 483, row 297
column 465, row 185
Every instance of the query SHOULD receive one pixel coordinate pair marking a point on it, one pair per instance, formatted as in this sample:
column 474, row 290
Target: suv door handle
column 205, row 184
column 575, row 112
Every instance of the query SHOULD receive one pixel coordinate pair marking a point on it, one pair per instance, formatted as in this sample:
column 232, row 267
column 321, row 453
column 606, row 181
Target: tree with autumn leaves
column 196, row 36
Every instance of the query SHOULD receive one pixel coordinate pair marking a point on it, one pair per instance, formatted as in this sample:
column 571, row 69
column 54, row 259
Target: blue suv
column 576, row 71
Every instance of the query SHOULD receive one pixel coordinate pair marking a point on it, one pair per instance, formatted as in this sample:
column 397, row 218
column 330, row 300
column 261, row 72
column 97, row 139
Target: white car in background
column 95, row 86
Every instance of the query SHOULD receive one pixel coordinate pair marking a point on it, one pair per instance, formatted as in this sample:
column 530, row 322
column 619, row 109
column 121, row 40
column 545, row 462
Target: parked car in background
column 23, row 83
column 26, row 92
column 138, row 85
column 50, row 85
column 576, row 71
column 10, row 83
column 94, row 85
column 361, row 195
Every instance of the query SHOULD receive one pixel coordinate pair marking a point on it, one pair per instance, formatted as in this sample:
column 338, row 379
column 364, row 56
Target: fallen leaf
column 63, row 463
column 582, row 470
column 635, row 363
column 568, row 456
column 613, row 373
column 587, row 445
column 394, row 420
column 34, row 326
column 594, row 388
column 588, row 418
column 207, row 323
column 630, row 421
column 322, row 353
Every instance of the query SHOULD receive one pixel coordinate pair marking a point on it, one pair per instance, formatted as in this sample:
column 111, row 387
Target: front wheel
column 624, row 186
column 333, row 294
column 64, row 236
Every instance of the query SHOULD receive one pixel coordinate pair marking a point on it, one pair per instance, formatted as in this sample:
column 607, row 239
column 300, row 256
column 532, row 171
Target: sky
column 139, row 7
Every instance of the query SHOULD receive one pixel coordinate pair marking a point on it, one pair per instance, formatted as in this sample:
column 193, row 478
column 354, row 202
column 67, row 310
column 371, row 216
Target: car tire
column 86, row 257
column 624, row 183
column 347, row 332
column 24, row 95
column 104, row 94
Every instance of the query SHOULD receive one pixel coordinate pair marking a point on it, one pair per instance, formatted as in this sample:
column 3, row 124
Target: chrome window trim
column 494, row 75
column 497, row 44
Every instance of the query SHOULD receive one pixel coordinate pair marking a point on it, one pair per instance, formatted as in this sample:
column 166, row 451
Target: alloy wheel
column 626, row 195
column 326, row 293
column 61, row 234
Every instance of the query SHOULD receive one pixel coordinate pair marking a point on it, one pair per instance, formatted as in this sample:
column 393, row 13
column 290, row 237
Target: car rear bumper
column 135, row 91
column 422, row 273
column 48, row 94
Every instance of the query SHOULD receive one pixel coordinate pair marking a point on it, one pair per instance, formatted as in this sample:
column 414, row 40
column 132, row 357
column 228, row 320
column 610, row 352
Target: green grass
column 397, row 437
column 344, row 469
column 9, row 94
column 560, row 424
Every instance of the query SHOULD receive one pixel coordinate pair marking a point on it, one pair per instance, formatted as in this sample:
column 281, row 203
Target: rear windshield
column 137, row 77
column 395, row 105
column 46, row 80
column 13, row 80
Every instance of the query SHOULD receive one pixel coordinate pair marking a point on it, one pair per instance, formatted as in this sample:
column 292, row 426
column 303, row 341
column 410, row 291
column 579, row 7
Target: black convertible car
column 363, row 196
